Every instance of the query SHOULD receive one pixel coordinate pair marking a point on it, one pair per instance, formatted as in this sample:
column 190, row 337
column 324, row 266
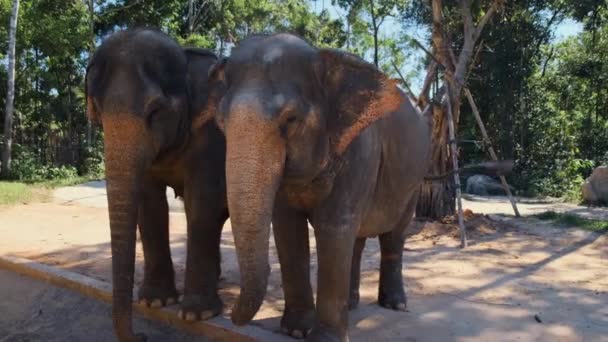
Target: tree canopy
column 544, row 101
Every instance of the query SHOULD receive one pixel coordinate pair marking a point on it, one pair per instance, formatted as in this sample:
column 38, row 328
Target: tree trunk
column 190, row 16
column 90, row 4
column 437, row 199
column 376, row 28
column 10, row 93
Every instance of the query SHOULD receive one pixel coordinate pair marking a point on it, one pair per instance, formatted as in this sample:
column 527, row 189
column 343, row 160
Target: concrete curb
column 218, row 328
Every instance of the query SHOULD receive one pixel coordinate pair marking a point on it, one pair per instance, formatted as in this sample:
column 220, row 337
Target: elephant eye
column 153, row 110
column 291, row 119
column 152, row 114
column 290, row 112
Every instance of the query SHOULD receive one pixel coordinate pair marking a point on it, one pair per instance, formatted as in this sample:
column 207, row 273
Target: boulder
column 483, row 185
column 595, row 188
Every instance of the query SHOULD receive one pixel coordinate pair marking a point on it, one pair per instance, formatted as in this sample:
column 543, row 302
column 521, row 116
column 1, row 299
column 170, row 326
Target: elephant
column 148, row 94
column 321, row 136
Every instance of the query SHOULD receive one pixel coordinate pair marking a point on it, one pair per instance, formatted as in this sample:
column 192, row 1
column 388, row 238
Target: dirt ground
column 520, row 279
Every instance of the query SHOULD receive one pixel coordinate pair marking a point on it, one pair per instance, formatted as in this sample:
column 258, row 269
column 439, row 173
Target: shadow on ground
column 36, row 311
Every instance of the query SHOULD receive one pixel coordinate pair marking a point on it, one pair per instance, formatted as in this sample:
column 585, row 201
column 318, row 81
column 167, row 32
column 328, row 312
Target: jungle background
column 540, row 78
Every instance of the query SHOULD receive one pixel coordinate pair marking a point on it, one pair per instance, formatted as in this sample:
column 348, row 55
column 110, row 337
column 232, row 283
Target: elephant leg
column 335, row 245
column 158, row 288
column 355, row 274
column 206, row 214
column 291, row 238
column 391, row 293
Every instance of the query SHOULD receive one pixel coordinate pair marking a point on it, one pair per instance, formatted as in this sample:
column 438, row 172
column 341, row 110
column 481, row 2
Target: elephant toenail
column 297, row 334
column 205, row 315
column 170, row 301
column 157, row 303
column 180, row 314
column 401, row 307
column 190, row 317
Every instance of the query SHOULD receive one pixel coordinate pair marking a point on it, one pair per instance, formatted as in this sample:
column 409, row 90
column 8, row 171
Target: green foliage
column 545, row 105
column 26, row 167
column 574, row 221
column 565, row 133
column 197, row 40
column 93, row 165
column 52, row 40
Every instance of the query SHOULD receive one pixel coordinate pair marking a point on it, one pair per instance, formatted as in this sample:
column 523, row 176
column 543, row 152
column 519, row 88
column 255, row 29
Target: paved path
column 93, row 194
column 501, row 205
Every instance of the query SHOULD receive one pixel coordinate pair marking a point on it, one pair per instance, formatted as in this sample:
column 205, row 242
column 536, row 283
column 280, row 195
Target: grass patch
column 569, row 220
column 34, row 191
column 60, row 182
column 15, row 192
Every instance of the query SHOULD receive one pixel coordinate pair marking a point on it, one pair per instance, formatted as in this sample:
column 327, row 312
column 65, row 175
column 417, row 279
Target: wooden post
column 407, row 87
column 453, row 152
column 486, row 139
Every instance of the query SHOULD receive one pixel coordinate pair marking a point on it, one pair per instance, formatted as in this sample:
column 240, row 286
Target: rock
column 483, row 185
column 595, row 188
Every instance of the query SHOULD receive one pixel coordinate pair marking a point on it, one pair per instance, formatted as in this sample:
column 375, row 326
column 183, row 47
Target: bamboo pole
column 409, row 90
column 486, row 139
column 453, row 150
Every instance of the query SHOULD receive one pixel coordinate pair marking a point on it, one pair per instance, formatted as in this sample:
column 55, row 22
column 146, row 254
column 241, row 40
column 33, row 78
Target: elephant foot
column 131, row 337
column 158, row 296
column 200, row 308
column 353, row 300
column 394, row 299
column 297, row 323
column 324, row 334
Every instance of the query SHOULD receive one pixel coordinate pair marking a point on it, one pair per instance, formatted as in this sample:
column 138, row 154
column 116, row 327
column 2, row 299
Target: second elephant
column 320, row 136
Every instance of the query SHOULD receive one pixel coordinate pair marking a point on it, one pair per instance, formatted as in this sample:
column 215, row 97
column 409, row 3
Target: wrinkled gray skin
column 146, row 91
column 321, row 136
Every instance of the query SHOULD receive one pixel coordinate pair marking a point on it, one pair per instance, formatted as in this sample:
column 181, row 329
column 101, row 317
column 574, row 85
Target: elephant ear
column 91, row 111
column 358, row 94
column 203, row 92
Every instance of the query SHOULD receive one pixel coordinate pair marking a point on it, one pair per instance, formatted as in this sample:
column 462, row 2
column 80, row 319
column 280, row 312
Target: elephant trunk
column 124, row 160
column 254, row 165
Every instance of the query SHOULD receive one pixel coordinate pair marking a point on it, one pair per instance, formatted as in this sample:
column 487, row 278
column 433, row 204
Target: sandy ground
column 36, row 311
column 520, row 280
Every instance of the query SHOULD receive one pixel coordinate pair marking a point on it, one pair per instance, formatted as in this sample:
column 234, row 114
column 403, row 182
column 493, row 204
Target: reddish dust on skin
column 122, row 139
column 383, row 102
column 254, row 142
column 254, row 161
column 253, row 147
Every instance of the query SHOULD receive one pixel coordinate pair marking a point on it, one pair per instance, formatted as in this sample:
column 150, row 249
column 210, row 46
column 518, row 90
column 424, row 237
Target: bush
column 26, row 166
column 93, row 165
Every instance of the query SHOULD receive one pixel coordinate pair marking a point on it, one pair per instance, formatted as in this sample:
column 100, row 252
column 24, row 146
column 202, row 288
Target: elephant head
column 144, row 90
column 289, row 111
